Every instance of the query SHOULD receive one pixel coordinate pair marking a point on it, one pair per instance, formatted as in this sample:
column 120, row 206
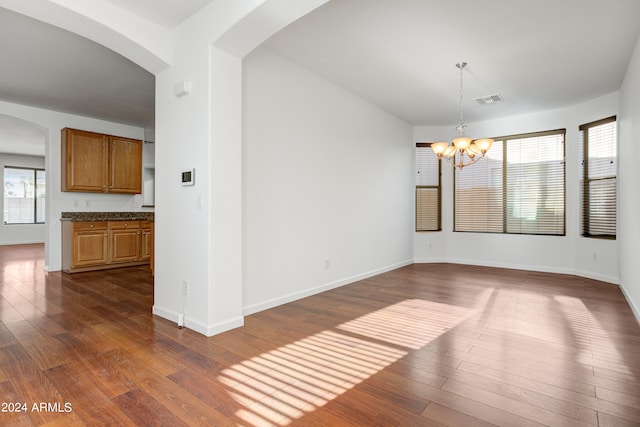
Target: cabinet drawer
column 124, row 225
column 89, row 225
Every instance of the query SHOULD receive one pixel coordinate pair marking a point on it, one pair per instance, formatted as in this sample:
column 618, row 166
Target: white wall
column 15, row 234
column 186, row 216
column 56, row 200
column 571, row 254
column 327, row 184
column 629, row 178
column 199, row 228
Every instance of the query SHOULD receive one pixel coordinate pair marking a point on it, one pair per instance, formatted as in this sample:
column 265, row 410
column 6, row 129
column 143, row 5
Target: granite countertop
column 106, row 216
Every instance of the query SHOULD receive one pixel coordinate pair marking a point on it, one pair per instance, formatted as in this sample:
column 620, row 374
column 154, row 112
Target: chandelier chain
column 461, row 127
column 461, row 96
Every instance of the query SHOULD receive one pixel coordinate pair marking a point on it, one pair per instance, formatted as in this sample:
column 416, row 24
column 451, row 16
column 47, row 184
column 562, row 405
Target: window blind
column 519, row 188
column 428, row 189
column 599, row 176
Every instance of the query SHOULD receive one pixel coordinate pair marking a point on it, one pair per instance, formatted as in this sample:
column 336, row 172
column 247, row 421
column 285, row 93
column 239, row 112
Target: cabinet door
column 84, row 161
column 125, row 241
column 125, row 164
column 146, row 241
column 90, row 244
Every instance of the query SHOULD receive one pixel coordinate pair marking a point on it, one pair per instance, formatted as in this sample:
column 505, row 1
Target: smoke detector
column 489, row 99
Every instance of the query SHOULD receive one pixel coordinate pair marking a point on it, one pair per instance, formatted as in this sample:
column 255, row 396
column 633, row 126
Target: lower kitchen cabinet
column 147, row 240
column 94, row 245
column 124, row 239
column 89, row 243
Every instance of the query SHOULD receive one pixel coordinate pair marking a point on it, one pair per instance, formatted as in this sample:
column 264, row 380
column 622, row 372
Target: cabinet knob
column 126, row 225
column 91, row 226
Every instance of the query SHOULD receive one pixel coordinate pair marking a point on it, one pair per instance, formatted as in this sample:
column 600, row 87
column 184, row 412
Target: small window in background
column 24, row 195
column 428, row 189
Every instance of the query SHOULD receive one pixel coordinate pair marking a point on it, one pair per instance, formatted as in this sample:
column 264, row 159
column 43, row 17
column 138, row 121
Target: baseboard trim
column 22, row 242
column 634, row 308
column 165, row 314
column 221, row 327
column 524, row 267
column 199, row 327
column 600, row 277
column 210, row 330
column 265, row 305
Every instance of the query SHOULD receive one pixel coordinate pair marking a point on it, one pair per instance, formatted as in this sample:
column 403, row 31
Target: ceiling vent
column 489, row 99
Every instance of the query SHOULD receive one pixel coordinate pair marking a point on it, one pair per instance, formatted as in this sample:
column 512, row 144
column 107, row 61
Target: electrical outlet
column 185, row 287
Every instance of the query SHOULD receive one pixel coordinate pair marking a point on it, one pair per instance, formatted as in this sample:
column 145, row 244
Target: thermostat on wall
column 189, row 176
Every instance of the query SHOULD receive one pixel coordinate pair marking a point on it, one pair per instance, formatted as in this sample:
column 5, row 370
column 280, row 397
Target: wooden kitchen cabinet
column 124, row 241
column 95, row 162
column 85, row 161
column 95, row 245
column 85, row 244
column 125, row 165
column 146, row 241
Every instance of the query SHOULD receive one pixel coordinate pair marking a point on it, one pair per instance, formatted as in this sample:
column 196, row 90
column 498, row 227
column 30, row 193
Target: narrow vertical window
column 428, row 189
column 599, row 170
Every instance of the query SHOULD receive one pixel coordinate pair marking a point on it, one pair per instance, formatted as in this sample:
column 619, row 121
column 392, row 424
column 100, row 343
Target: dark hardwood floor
column 424, row 345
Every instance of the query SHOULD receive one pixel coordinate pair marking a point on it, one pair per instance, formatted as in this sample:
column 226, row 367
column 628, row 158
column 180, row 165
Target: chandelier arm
column 459, row 163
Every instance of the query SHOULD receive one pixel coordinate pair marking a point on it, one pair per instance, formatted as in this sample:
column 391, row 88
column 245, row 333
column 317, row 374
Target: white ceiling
column 167, row 13
column 398, row 54
column 401, row 54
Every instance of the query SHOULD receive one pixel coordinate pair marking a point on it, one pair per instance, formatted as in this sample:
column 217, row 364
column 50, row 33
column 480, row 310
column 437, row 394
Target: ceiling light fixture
column 463, row 151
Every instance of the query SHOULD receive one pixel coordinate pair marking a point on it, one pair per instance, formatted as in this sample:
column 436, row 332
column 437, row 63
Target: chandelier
column 463, row 151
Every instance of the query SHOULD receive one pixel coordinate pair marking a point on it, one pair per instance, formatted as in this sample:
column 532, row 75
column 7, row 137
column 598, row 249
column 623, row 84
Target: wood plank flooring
column 424, row 345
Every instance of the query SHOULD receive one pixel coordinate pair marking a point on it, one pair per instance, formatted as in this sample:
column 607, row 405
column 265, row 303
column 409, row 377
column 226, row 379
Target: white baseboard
column 210, row 330
column 265, row 305
column 544, row 269
column 201, row 328
column 634, row 308
column 430, row 261
column 594, row 276
column 22, row 242
column 165, row 314
column 218, row 328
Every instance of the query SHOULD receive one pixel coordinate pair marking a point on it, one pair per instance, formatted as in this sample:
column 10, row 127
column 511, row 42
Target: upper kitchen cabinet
column 125, row 165
column 95, row 162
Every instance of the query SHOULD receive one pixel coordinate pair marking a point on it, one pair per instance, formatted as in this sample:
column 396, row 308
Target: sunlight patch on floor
column 411, row 323
column 282, row 385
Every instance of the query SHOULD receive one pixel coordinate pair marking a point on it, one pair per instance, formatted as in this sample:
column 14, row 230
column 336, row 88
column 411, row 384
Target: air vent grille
column 489, row 99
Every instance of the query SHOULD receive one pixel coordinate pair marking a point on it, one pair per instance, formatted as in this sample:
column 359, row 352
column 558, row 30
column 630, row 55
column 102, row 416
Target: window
column 428, row 189
column 24, row 195
column 519, row 188
column 599, row 163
